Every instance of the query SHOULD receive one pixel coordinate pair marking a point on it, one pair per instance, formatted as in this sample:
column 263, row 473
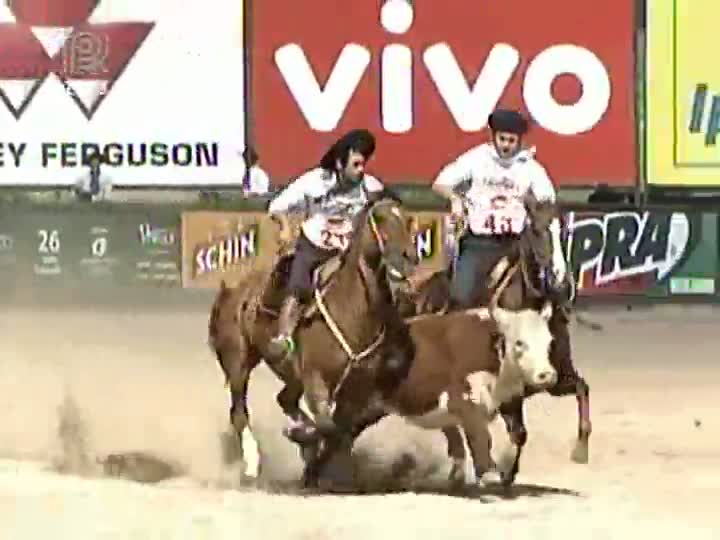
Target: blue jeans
column 306, row 259
column 477, row 256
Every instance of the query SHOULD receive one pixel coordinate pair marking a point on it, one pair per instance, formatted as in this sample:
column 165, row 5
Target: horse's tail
column 215, row 310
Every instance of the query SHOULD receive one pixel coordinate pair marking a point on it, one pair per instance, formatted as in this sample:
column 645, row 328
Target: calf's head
column 527, row 339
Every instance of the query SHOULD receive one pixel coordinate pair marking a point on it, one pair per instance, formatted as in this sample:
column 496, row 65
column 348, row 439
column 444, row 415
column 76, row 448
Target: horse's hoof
column 581, row 453
column 310, row 481
column 489, row 479
column 325, row 425
column 301, row 434
column 508, row 479
column 456, row 476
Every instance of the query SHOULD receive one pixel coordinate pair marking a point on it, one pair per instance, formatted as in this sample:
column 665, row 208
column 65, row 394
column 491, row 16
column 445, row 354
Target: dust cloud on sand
column 113, row 425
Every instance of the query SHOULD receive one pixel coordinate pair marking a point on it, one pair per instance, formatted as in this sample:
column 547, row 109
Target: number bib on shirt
column 336, row 233
column 497, row 216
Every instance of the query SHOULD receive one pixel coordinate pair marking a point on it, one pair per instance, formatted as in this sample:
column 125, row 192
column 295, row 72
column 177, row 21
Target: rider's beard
column 352, row 178
column 507, row 151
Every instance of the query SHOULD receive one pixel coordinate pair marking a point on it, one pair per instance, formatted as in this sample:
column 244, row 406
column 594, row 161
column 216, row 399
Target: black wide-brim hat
column 360, row 140
column 508, row 121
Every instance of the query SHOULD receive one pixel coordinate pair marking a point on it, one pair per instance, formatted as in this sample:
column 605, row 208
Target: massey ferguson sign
column 157, row 89
column 425, row 75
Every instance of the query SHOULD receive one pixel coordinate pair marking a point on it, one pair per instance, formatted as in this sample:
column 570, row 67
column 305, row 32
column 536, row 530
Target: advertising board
column 683, row 94
column 230, row 245
column 88, row 248
column 159, row 90
column 225, row 246
column 424, row 78
column 650, row 253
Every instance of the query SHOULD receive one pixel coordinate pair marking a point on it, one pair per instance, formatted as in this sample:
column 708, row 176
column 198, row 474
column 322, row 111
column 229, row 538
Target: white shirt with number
column 497, row 188
column 330, row 217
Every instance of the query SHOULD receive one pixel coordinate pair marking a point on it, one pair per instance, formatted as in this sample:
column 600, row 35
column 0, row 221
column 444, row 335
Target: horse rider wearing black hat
column 329, row 196
column 501, row 173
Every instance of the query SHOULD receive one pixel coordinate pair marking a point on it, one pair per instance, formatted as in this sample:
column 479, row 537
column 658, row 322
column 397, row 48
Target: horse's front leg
column 581, row 452
column 513, row 415
column 325, row 439
column 317, row 397
column 301, row 429
column 570, row 383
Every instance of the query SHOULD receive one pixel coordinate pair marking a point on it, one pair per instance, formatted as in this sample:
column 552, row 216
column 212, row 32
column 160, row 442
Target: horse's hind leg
column 240, row 417
column 456, row 452
column 513, row 416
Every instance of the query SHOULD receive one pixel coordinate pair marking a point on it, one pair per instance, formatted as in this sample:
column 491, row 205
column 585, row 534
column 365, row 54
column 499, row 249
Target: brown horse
column 516, row 282
column 350, row 330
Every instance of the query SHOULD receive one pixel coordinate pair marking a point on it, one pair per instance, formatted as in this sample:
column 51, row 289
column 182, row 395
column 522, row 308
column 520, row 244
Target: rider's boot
column 283, row 343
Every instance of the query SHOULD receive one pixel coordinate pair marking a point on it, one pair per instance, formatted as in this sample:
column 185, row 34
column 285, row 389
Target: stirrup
column 286, row 342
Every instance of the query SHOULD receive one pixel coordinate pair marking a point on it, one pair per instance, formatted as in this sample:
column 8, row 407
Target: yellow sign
column 683, row 93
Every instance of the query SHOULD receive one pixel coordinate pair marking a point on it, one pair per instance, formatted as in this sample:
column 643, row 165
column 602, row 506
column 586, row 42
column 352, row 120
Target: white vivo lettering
column 397, row 89
column 567, row 119
column 322, row 107
column 471, row 107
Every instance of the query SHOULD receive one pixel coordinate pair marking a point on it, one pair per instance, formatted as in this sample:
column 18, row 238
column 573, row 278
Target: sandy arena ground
column 76, row 386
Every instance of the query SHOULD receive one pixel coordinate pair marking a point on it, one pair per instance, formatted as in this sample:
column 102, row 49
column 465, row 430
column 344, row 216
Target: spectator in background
column 256, row 180
column 95, row 185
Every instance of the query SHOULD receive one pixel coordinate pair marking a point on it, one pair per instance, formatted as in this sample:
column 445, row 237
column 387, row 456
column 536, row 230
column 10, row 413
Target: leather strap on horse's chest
column 340, row 337
column 505, row 282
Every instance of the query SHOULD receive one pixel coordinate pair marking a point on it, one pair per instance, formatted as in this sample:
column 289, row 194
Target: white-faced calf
column 466, row 364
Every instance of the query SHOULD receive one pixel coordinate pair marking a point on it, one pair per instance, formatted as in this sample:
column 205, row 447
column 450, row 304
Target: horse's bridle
column 505, row 275
column 366, row 274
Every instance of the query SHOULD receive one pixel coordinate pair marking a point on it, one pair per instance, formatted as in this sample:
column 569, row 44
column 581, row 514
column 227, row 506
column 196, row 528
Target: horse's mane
column 361, row 219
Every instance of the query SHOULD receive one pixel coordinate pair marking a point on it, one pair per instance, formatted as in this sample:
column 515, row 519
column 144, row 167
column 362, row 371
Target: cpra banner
column 424, row 77
column 159, row 90
column 683, row 94
column 629, row 252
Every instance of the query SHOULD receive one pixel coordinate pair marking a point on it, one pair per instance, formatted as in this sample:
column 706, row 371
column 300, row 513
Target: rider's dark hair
column 358, row 140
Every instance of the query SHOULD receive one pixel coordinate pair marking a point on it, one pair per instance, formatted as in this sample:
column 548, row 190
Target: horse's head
column 385, row 239
column 536, row 244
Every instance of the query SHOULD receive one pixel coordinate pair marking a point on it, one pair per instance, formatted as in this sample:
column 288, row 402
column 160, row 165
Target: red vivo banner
column 423, row 76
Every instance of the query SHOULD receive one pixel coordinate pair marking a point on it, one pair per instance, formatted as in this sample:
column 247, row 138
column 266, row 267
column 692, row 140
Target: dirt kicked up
column 111, row 427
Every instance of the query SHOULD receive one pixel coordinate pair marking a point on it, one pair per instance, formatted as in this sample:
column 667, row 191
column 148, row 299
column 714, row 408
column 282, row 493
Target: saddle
column 322, row 275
